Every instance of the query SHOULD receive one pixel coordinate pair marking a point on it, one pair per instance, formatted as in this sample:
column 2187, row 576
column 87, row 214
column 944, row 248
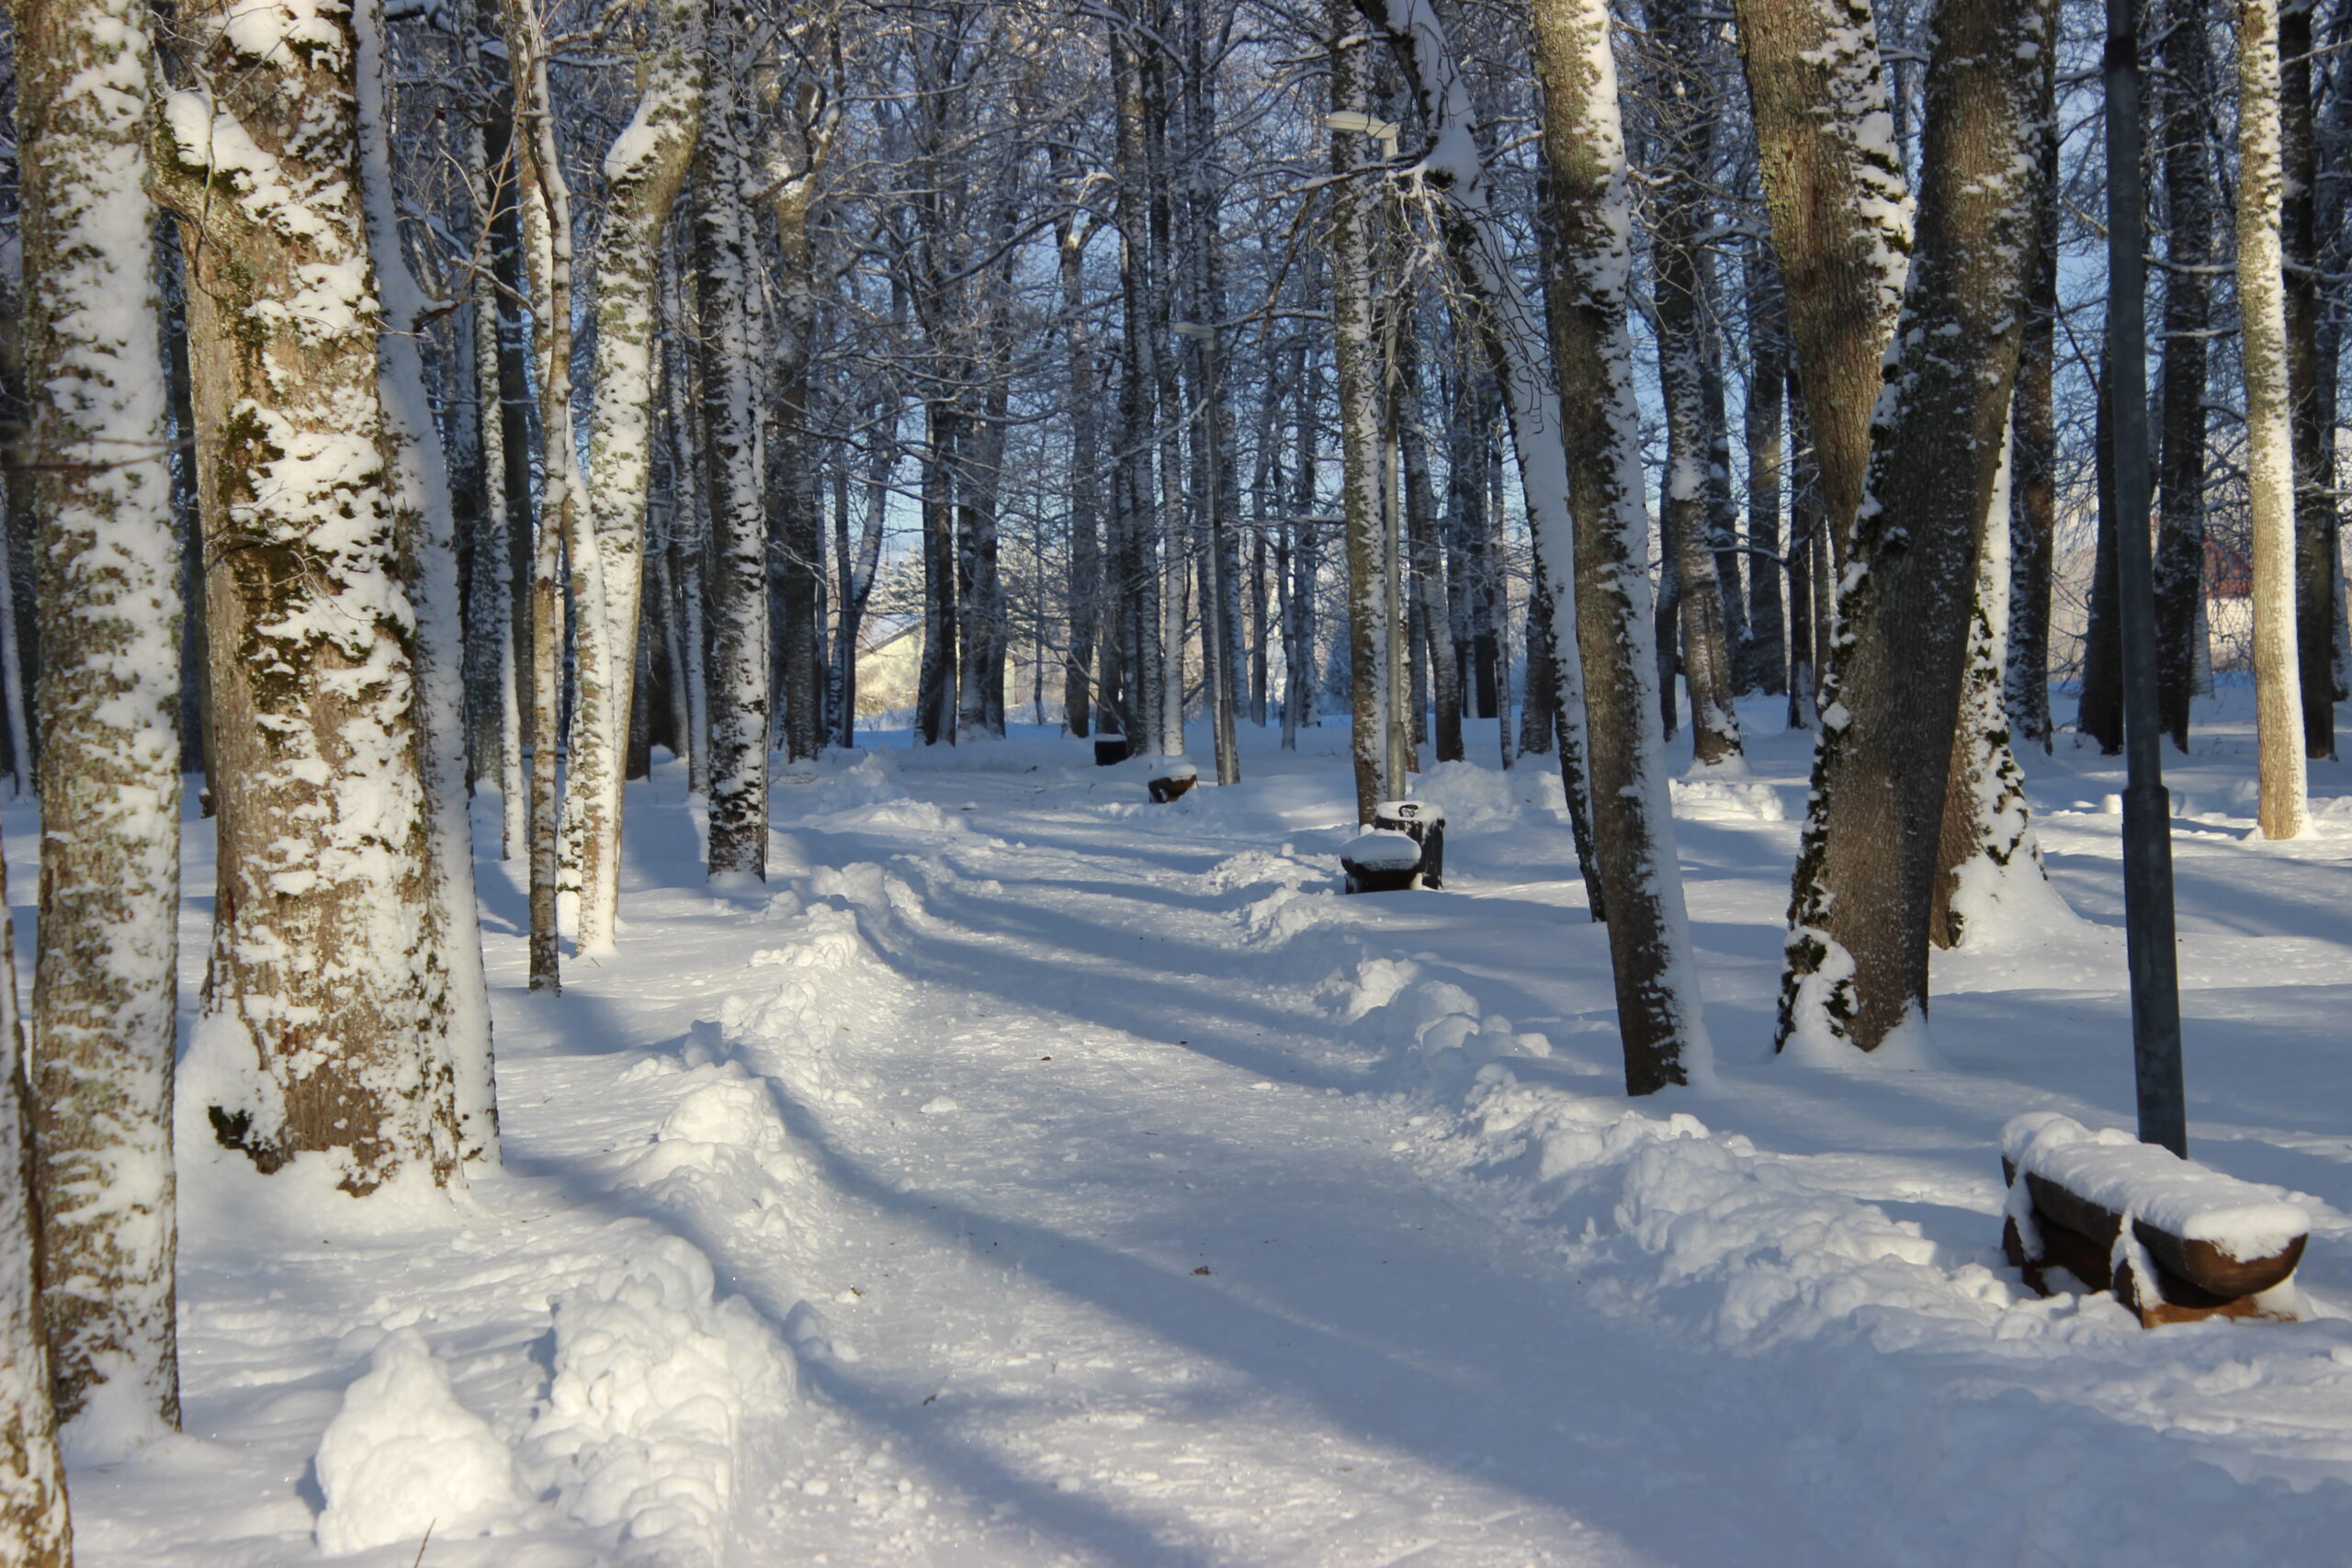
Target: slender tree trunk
column 507, row 465
column 36, row 1528
column 739, row 710
column 2187, row 88
column 1763, row 430
column 325, row 1029
column 2315, row 590
column 18, row 476
column 1808, row 529
column 643, row 170
column 1660, row 1016
column 1864, row 893
column 793, row 179
column 1085, row 491
column 2032, row 522
column 1353, row 205
column 2100, row 712
column 105, row 984
column 2284, row 811
column 1428, row 588
column 1685, row 163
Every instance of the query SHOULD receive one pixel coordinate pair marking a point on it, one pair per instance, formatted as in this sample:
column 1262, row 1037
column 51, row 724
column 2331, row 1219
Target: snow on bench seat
column 2228, row 1236
column 1382, row 848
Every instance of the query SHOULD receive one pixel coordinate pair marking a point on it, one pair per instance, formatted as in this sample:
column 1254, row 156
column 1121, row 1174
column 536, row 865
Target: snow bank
column 2124, row 1176
column 403, row 1457
column 656, row 1382
column 1437, row 1030
column 1477, row 797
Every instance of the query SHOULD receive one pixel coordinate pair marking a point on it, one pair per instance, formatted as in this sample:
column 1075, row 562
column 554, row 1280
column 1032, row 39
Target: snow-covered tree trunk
column 325, row 1028
column 2282, row 810
column 36, row 1530
column 739, row 697
column 2032, row 523
column 505, row 429
column 1354, row 199
column 1660, row 1017
column 17, row 478
column 1987, row 847
column 105, row 984
column 1687, row 111
column 427, row 521
column 643, row 170
column 1840, row 222
column 1863, row 892
column 2185, row 91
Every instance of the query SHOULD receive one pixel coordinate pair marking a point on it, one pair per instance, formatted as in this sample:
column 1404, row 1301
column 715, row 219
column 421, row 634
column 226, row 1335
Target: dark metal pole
column 2147, row 809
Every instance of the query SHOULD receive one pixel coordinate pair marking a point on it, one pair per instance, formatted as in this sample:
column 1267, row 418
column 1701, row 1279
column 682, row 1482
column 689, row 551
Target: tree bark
column 643, row 171
column 2282, row 810
column 1764, row 430
column 36, row 1526
column 2191, row 203
column 1354, row 200
column 325, row 1028
column 1864, row 893
column 2316, row 605
column 105, row 983
column 1840, row 222
column 2032, row 522
column 1660, row 1016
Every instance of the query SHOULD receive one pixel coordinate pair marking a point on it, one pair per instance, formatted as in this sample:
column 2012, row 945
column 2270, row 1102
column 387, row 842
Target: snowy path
column 1121, row 1196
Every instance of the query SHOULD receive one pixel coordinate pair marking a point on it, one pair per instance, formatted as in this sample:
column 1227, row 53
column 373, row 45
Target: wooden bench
column 1110, row 748
column 2200, row 1244
column 1171, row 778
column 1381, row 860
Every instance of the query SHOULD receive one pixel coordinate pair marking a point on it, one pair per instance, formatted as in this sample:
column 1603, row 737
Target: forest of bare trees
column 415, row 402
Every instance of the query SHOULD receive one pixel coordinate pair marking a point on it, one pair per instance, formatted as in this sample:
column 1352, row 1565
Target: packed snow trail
column 1032, row 1174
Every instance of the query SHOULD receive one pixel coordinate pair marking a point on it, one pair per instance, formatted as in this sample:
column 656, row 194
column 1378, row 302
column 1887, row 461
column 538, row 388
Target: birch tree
column 325, row 1028
column 1863, row 898
column 105, row 985
column 2282, row 810
column 643, row 171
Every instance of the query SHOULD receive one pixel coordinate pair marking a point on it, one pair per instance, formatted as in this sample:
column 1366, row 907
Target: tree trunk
column 2270, row 398
column 1660, row 1016
column 739, row 696
column 325, row 1026
column 2315, row 590
column 1428, row 587
column 1763, row 429
column 1085, row 485
column 36, row 1528
column 1863, row 894
column 109, row 561
column 2099, row 711
column 644, row 169
column 1833, row 185
column 1354, row 204
column 1808, row 543
column 1688, row 112
column 2032, row 522
column 2187, row 88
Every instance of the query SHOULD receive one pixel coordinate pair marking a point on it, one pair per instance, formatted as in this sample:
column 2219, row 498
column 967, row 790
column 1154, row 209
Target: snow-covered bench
column 1424, row 823
column 1380, row 860
column 1171, row 778
column 2198, row 1244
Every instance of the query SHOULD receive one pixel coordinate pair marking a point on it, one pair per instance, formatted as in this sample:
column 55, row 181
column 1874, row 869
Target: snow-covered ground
column 1033, row 1174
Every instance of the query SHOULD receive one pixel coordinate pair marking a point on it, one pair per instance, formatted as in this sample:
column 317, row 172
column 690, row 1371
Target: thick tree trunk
column 1841, row 228
column 1864, row 893
column 427, row 520
column 2282, row 810
column 643, row 170
column 325, row 1029
column 1660, row 1017
column 105, row 985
